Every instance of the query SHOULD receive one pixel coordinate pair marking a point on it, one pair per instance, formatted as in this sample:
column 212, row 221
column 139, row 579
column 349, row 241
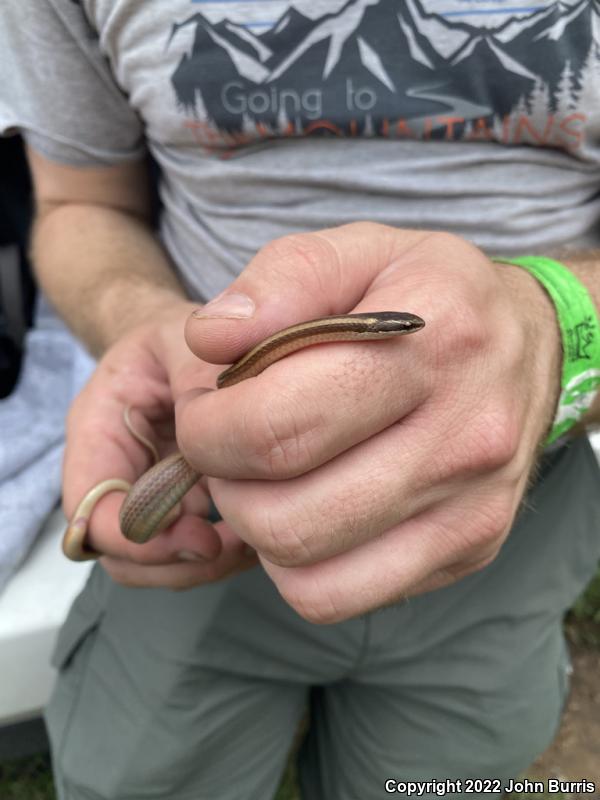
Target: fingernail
column 189, row 555
column 227, row 306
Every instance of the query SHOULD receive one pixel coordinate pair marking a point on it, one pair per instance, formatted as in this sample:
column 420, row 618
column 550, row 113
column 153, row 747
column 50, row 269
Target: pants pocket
column 71, row 654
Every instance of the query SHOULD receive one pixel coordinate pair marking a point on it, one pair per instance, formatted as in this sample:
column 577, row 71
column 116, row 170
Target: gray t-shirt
column 268, row 117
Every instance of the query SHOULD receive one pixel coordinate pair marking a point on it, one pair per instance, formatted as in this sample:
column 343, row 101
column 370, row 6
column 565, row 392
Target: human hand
column 362, row 473
column 144, row 370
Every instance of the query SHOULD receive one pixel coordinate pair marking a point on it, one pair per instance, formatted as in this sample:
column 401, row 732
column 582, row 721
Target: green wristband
column 580, row 334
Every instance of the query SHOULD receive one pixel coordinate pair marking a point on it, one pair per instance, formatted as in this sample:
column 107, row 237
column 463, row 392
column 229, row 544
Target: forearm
column 102, row 268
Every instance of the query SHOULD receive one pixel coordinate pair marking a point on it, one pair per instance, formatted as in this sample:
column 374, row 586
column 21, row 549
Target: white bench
column 33, row 606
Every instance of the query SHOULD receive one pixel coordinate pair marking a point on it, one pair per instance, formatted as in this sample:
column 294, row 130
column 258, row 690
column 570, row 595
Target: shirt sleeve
column 58, row 90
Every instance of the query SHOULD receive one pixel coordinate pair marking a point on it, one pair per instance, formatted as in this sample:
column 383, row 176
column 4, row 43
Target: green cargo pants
column 199, row 695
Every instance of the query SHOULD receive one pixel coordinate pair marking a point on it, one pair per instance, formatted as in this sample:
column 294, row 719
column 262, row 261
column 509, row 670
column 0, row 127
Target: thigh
column 210, row 735
column 137, row 713
column 438, row 722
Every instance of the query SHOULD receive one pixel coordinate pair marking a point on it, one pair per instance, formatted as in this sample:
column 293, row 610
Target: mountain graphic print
column 391, row 68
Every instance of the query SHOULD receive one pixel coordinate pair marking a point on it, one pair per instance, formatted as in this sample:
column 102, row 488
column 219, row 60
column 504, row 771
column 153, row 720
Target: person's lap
column 199, row 694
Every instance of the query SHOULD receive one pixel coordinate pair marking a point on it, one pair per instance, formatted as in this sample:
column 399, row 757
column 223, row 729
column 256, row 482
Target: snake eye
column 397, row 322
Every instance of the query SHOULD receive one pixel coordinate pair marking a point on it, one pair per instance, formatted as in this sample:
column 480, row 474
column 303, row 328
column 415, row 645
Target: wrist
column 125, row 306
column 543, row 348
column 579, row 327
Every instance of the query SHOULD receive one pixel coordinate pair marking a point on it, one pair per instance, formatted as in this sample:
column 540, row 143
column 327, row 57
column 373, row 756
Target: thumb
column 293, row 279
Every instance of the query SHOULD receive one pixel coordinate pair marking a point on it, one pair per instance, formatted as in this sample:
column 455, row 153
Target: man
column 360, row 477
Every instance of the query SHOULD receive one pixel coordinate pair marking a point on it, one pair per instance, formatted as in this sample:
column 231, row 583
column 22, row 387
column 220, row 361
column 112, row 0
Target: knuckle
column 284, row 538
column 182, row 584
column 492, row 521
column 318, row 614
column 375, row 231
column 447, row 242
column 452, row 249
column 133, row 556
column 469, row 333
column 464, row 335
column 297, row 254
column 279, row 437
column 314, row 604
column 487, row 444
column 484, row 561
column 494, row 440
column 284, row 453
column 455, row 572
column 200, row 573
column 119, row 571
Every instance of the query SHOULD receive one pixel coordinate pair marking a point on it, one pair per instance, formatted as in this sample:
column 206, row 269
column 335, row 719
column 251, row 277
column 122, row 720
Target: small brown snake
column 148, row 507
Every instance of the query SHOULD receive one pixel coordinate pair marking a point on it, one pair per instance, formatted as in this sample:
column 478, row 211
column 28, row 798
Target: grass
column 26, row 779
column 583, row 621
column 289, row 785
column 30, row 778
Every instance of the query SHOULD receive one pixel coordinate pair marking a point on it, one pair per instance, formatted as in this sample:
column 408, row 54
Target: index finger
column 99, row 444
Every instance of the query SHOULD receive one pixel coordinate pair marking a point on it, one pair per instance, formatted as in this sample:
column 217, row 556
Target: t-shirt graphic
column 392, row 68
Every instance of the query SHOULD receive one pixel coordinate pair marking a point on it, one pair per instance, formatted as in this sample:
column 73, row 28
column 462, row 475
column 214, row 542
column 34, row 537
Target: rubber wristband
column 580, row 335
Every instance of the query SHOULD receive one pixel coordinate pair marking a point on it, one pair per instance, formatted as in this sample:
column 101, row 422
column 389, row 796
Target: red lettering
column 322, row 124
column 402, row 129
column 524, row 123
column 201, row 132
column 480, row 130
column 205, row 136
column 238, row 139
column 449, row 122
column 574, row 132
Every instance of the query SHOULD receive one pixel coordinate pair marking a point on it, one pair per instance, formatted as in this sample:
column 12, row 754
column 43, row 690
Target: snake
column 152, row 502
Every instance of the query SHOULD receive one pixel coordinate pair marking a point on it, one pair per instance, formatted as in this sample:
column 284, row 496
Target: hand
column 144, row 370
column 365, row 472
